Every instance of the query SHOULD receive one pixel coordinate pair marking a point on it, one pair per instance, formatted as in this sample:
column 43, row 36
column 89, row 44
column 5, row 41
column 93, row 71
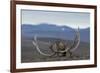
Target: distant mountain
column 52, row 30
column 44, row 27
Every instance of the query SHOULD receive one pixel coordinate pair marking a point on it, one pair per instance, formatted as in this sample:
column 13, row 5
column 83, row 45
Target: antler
column 72, row 48
column 75, row 44
column 38, row 49
column 76, row 41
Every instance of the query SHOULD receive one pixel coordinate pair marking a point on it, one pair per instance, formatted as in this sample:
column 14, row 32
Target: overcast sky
column 71, row 19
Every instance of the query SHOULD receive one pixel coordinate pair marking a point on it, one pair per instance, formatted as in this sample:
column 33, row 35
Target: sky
column 60, row 18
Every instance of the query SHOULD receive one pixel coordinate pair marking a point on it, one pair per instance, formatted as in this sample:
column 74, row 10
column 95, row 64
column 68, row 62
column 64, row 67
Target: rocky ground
column 29, row 52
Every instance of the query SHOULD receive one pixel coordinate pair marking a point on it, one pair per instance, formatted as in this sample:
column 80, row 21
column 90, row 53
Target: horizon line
column 56, row 25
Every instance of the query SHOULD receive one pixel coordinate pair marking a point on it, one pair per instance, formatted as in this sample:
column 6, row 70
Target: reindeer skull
column 59, row 47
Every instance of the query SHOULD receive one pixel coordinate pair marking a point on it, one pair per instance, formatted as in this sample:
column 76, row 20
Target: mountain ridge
column 47, row 30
